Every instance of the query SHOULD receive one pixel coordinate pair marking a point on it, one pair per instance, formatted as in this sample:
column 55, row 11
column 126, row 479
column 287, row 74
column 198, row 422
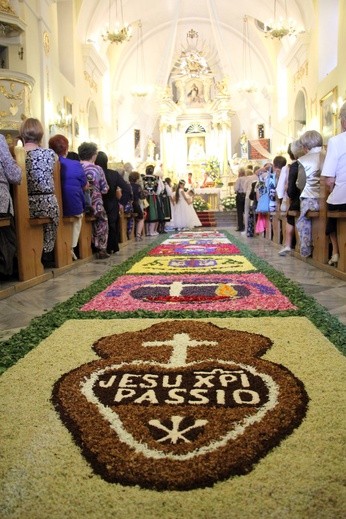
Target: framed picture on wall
column 328, row 119
column 68, row 112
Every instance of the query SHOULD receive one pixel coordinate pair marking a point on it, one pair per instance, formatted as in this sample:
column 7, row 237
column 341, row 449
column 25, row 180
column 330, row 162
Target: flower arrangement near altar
column 228, row 203
column 212, row 168
column 200, row 204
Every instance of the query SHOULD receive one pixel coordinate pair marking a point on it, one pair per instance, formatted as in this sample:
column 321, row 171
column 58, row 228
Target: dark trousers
column 240, row 206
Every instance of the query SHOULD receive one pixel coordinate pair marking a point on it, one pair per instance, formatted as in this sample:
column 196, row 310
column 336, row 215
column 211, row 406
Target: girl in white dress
column 185, row 216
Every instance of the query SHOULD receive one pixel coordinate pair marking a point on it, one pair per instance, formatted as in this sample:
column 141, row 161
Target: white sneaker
column 284, row 251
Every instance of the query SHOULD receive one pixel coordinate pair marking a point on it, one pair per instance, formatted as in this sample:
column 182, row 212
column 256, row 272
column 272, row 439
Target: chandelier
column 140, row 88
column 247, row 85
column 192, row 63
column 280, row 26
column 122, row 31
column 61, row 119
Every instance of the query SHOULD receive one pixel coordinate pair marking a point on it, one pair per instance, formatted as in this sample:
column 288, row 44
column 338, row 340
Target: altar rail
column 276, row 230
column 29, row 234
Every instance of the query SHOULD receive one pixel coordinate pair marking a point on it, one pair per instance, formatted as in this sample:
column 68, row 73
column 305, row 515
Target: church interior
column 197, row 373
column 162, row 83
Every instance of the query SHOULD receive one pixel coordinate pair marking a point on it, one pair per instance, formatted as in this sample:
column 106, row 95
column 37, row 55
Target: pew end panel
column 29, row 231
column 85, row 237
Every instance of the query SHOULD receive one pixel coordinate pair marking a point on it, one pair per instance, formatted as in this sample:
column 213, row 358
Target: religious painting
column 194, row 93
column 328, row 119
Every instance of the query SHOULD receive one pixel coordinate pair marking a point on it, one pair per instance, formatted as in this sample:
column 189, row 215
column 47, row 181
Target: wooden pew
column 4, row 221
column 321, row 246
column 278, row 227
column 84, row 242
column 124, row 218
column 341, row 236
column 28, row 230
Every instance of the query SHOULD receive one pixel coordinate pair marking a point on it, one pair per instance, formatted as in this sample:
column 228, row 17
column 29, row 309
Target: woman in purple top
column 98, row 186
column 73, row 184
column 10, row 173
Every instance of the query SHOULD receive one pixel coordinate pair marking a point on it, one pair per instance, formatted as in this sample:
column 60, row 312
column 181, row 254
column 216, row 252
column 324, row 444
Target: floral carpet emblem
column 194, row 249
column 207, row 265
column 179, row 405
column 216, row 292
column 196, row 235
column 197, row 241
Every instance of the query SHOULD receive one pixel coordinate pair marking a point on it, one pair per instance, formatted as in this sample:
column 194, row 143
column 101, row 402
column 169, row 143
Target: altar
column 212, row 195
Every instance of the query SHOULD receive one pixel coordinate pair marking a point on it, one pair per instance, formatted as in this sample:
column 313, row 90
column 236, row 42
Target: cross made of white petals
column 180, row 343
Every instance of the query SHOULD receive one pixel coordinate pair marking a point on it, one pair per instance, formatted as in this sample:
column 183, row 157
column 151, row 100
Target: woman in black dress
column 118, row 188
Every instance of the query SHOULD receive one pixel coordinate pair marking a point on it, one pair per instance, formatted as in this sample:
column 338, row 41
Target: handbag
column 263, row 203
column 128, row 207
column 88, row 206
column 266, row 202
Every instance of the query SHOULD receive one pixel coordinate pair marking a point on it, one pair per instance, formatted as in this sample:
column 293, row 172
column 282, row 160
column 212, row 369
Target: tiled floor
column 17, row 310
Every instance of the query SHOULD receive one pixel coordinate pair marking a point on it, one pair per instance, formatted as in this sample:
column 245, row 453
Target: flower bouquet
column 213, row 170
column 200, row 204
column 228, row 203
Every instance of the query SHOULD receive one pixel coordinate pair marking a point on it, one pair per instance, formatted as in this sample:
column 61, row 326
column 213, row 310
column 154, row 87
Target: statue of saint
column 222, row 86
column 196, row 151
column 151, row 149
column 243, row 145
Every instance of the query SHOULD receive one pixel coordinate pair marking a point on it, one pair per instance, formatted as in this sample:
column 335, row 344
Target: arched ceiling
column 165, row 23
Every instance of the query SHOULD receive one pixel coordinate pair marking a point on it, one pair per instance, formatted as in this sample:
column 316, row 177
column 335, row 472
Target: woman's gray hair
column 297, row 149
column 311, row 139
column 87, row 150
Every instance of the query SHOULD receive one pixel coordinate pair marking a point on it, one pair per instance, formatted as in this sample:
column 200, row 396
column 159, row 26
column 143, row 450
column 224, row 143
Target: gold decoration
column 301, row 72
column 90, row 80
column 46, row 43
column 8, row 95
column 6, row 8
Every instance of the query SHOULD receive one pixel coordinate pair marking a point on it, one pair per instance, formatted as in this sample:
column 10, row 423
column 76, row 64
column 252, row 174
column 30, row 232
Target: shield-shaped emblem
column 179, row 405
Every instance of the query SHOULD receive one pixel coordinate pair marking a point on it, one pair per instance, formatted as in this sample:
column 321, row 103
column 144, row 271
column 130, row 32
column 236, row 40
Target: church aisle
column 17, row 311
column 192, row 351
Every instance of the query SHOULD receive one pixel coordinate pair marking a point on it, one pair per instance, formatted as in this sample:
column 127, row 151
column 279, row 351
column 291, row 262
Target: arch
column 93, row 122
column 195, row 128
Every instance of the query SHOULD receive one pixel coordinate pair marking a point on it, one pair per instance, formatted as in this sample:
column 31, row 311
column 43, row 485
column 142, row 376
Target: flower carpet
column 154, row 288
column 194, row 249
column 183, row 264
column 214, row 292
column 180, row 385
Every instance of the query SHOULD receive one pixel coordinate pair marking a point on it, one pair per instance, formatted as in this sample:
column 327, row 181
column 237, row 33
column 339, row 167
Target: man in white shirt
column 334, row 169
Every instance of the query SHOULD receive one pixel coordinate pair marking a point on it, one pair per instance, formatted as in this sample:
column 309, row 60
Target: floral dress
column 98, row 187
column 40, row 164
column 10, row 173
